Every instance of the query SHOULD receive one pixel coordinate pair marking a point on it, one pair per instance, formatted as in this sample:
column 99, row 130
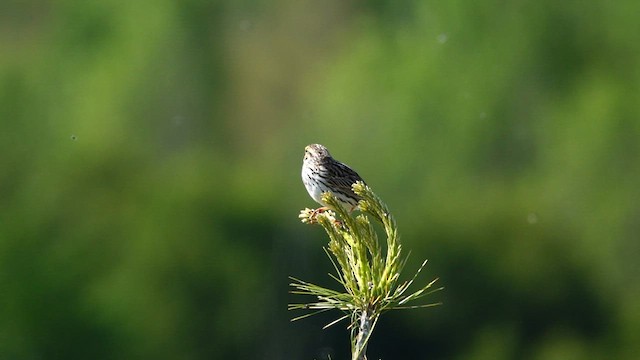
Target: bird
column 322, row 173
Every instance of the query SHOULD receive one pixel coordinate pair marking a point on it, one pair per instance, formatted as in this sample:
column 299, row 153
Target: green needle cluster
column 368, row 274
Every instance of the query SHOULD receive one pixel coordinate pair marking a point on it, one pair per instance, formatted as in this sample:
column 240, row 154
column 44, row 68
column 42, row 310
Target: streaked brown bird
column 322, row 173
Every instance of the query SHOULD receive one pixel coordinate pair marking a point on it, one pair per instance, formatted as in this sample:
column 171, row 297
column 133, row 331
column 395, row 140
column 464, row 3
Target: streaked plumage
column 322, row 173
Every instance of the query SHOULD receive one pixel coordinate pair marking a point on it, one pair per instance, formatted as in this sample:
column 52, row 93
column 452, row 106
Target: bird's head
column 315, row 153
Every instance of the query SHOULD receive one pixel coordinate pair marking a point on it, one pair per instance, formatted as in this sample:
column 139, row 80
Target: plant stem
column 367, row 322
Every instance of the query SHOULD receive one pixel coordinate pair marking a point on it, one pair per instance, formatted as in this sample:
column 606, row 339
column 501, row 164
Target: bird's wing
column 343, row 177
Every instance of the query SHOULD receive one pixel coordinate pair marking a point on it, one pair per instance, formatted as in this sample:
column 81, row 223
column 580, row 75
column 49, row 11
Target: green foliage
column 368, row 275
column 503, row 134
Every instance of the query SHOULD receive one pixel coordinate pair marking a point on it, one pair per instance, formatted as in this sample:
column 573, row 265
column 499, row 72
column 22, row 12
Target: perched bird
column 322, row 173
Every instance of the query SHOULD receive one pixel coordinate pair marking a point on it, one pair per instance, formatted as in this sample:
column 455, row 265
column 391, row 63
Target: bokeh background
column 150, row 154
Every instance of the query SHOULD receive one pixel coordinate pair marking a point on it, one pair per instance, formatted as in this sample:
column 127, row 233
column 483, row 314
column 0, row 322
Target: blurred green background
column 150, row 174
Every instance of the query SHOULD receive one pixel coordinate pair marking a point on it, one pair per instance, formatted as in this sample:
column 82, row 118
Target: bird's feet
column 318, row 211
column 310, row 216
